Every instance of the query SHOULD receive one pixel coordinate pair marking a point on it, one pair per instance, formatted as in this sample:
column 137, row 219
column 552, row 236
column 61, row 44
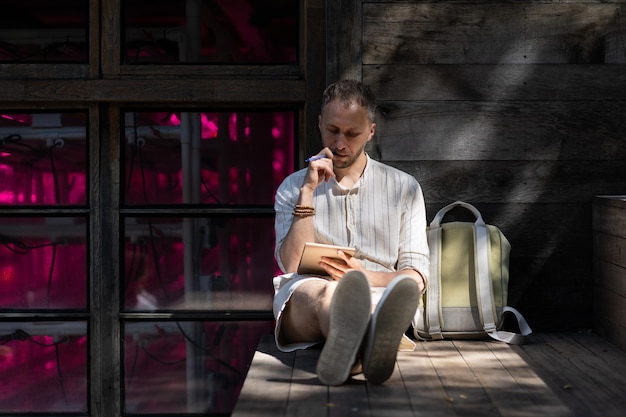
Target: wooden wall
column 518, row 107
column 609, row 241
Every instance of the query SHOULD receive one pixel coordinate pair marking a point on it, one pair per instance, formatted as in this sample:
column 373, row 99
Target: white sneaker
column 390, row 320
column 350, row 310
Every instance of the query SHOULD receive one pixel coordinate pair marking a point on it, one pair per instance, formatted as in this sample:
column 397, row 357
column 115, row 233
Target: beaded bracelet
column 303, row 211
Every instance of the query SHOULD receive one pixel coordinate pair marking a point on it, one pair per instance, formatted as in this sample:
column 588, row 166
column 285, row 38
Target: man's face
column 346, row 129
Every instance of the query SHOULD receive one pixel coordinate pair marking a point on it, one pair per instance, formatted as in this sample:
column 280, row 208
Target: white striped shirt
column 382, row 216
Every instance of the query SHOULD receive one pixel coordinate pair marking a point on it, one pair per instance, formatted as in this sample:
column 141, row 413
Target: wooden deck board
column 562, row 374
column 582, row 379
column 505, row 386
column 544, row 401
column 391, row 398
column 267, row 383
column 468, row 397
column 306, row 396
column 350, row 399
column 427, row 395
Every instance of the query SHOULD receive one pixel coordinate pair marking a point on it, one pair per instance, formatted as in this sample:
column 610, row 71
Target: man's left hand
column 336, row 268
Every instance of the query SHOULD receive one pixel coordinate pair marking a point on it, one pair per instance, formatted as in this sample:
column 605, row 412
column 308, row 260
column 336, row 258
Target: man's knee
column 305, row 313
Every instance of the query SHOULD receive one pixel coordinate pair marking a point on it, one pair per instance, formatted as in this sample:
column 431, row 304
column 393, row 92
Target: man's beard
column 350, row 161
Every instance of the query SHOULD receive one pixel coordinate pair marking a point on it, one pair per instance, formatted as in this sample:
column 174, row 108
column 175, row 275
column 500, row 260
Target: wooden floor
column 561, row 374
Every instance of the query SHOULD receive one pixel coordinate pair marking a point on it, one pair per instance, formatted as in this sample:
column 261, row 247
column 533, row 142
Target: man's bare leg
column 349, row 316
column 336, row 313
column 306, row 316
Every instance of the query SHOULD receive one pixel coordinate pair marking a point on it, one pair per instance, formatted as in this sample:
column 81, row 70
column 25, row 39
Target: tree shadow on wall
column 500, row 106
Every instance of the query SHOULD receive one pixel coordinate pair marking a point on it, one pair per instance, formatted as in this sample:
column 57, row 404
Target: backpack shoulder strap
column 484, row 290
column 433, row 315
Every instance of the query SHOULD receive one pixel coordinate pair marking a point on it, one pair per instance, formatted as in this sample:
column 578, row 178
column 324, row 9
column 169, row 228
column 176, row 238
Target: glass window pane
column 43, row 367
column 43, row 158
column 187, row 367
column 44, row 31
column 199, row 263
column 210, row 31
column 208, row 158
column 43, row 263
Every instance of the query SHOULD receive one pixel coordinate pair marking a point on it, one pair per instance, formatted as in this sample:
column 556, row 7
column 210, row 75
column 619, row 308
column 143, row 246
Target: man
column 345, row 198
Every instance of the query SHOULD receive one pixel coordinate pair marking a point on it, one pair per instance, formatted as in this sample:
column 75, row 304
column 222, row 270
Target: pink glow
column 20, row 118
column 174, row 119
column 232, row 127
column 209, row 128
column 247, row 128
column 7, row 274
column 37, row 276
column 6, row 197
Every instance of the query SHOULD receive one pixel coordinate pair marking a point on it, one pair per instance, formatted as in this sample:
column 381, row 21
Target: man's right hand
column 320, row 170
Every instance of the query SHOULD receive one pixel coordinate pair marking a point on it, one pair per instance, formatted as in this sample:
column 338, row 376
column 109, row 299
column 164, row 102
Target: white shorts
column 284, row 286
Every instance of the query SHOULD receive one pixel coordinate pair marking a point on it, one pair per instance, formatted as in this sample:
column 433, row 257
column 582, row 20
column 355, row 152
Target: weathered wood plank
column 613, row 332
column 467, row 396
column 571, row 374
column 509, row 396
column 510, row 130
column 607, row 380
column 550, row 306
column 52, row 70
column 183, row 91
column 611, row 277
column 315, row 75
column 612, row 307
column 391, row 398
column 605, row 361
column 343, row 54
column 427, row 395
column 104, row 146
column 612, row 354
column 610, row 248
column 351, row 399
column 525, row 224
column 557, row 373
column 110, row 38
column 94, row 28
column 545, row 402
column 609, row 237
column 517, row 181
column 546, row 82
column 307, row 397
column 609, row 215
column 267, row 383
column 592, row 358
column 488, row 33
column 572, row 384
column 211, row 71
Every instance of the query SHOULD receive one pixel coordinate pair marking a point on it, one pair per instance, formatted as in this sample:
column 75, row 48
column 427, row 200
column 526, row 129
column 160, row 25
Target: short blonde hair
column 351, row 91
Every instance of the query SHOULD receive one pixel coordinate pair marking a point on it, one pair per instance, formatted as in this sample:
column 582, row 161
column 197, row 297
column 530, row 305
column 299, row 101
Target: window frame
column 103, row 87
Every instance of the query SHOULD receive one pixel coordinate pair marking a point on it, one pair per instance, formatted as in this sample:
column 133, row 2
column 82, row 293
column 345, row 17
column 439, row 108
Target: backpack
column 467, row 290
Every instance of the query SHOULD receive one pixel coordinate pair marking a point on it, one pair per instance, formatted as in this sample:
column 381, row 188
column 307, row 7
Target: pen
column 314, row 158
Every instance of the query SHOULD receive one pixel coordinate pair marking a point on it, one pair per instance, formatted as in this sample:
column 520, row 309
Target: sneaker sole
column 391, row 318
column 349, row 319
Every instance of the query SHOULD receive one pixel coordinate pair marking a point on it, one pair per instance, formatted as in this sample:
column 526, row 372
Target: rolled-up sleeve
column 413, row 245
column 284, row 203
